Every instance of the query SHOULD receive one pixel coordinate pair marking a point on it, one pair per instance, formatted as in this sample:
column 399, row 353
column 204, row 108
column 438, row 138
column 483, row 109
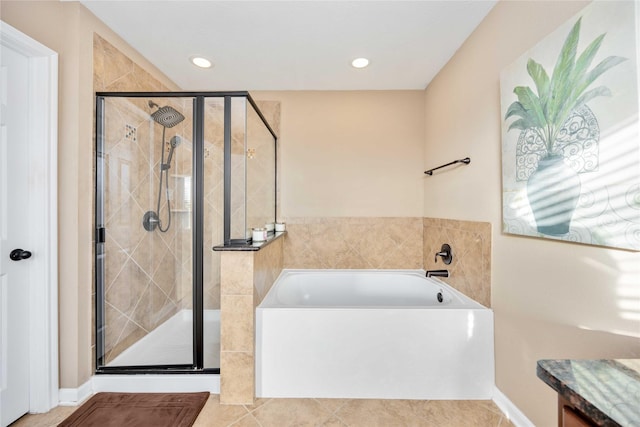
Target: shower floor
column 171, row 343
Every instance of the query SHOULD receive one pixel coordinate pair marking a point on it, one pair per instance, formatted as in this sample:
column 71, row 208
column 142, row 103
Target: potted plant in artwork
column 553, row 188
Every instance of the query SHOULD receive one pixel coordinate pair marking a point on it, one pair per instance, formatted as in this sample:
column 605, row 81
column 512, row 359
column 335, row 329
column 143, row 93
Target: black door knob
column 18, row 254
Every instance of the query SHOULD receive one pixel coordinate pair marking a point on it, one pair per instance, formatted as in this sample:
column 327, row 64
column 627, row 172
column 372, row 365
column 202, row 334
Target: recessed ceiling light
column 360, row 62
column 201, row 62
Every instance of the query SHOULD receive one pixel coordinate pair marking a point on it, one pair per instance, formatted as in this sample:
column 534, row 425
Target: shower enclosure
column 176, row 174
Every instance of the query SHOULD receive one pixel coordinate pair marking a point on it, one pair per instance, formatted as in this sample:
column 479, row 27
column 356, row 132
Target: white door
column 14, row 235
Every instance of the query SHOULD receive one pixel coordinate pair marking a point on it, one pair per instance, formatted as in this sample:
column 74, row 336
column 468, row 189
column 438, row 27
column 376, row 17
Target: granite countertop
column 249, row 247
column 607, row 391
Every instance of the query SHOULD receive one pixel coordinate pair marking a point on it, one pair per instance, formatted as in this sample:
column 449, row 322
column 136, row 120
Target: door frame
column 42, row 215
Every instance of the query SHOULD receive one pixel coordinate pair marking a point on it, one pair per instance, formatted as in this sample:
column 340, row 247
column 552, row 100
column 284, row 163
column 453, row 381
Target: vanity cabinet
column 569, row 416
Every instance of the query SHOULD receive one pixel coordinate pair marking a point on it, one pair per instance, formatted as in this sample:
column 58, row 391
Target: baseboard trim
column 75, row 396
column 512, row 412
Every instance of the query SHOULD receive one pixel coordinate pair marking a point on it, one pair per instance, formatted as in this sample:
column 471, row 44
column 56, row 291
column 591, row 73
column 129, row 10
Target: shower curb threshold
column 159, row 383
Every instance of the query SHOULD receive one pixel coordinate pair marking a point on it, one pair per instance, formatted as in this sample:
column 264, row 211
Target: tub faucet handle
column 445, row 253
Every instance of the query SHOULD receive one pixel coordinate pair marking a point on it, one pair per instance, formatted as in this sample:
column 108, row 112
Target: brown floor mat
column 138, row 410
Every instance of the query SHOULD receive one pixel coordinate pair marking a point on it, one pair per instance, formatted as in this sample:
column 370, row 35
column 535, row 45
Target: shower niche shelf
column 181, row 203
column 182, row 193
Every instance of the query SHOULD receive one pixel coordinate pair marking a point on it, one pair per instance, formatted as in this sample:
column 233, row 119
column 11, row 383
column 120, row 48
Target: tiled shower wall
column 140, row 266
column 149, row 275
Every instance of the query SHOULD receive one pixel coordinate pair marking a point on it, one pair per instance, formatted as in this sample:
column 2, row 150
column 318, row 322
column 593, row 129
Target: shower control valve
column 445, row 253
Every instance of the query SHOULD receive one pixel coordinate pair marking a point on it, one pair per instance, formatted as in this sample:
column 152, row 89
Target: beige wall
column 350, row 153
column 68, row 28
column 551, row 299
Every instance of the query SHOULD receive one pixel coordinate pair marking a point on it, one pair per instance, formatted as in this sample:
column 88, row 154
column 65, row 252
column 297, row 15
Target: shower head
column 167, row 116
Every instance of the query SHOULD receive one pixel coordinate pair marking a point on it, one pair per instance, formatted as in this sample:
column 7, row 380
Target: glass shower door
column 213, row 220
column 176, row 175
column 144, row 222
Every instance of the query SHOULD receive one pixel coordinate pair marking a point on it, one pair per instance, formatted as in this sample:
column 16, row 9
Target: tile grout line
column 248, row 414
column 252, row 411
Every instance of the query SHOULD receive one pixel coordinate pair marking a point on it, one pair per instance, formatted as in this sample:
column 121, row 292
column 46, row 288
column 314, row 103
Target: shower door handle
column 19, row 254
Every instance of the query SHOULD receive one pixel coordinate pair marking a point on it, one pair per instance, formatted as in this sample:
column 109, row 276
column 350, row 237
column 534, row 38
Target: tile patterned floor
column 327, row 412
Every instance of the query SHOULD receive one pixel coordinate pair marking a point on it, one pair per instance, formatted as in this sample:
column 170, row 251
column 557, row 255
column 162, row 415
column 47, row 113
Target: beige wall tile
column 126, row 290
column 237, row 382
column 246, row 277
column 268, row 263
column 236, row 273
column 129, row 336
column 353, row 243
column 115, row 322
column 361, row 243
column 470, row 241
column 154, row 308
column 237, row 323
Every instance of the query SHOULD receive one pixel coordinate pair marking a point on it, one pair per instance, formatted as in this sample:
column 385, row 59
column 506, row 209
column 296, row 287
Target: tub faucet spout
column 437, row 273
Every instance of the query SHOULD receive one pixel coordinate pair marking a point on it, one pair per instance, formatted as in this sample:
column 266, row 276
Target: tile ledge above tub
column 250, row 247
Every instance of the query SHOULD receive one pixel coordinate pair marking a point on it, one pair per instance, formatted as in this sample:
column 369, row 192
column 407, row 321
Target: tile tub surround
column 246, row 277
column 353, row 243
column 470, row 270
column 394, row 243
column 326, row 412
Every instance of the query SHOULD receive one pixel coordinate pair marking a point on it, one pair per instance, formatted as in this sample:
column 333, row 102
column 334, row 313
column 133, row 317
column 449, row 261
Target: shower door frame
column 197, row 367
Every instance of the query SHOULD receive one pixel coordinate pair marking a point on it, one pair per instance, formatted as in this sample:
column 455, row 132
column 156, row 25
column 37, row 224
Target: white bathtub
column 372, row 334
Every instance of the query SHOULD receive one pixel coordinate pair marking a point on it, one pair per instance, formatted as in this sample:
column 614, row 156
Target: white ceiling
column 295, row 45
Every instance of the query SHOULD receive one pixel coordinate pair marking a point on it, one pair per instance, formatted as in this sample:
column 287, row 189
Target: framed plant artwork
column 571, row 133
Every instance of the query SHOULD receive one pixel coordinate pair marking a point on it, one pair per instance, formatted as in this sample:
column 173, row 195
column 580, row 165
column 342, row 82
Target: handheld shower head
column 173, row 143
